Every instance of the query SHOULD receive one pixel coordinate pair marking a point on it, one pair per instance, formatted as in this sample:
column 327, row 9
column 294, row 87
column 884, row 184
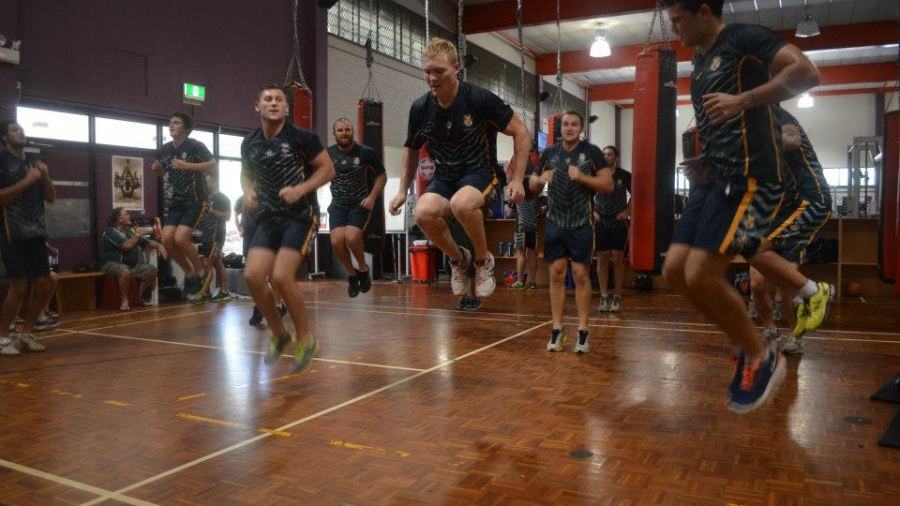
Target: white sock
column 809, row 289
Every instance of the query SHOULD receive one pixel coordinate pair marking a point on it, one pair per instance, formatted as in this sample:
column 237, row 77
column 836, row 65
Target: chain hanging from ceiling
column 295, row 63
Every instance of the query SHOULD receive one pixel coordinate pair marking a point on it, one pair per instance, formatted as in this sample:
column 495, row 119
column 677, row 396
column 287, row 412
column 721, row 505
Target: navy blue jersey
column 353, row 171
column 804, row 169
column 211, row 228
column 186, row 186
column 462, row 137
column 749, row 143
column 111, row 249
column 570, row 204
column 23, row 218
column 280, row 162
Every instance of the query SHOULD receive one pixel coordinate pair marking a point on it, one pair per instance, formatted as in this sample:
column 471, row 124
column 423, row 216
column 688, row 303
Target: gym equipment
column 889, row 197
column 371, row 133
column 852, row 288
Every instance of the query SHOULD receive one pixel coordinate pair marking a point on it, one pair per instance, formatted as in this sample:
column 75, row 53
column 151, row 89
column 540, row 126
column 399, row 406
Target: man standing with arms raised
column 458, row 122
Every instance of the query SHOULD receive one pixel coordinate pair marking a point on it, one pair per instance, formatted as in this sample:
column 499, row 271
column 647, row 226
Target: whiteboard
column 394, row 224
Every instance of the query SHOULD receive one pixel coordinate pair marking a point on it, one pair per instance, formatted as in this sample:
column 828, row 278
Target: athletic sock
column 809, row 289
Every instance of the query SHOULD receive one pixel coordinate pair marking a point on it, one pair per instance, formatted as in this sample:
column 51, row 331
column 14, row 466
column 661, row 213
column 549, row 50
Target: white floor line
column 295, row 423
column 77, row 485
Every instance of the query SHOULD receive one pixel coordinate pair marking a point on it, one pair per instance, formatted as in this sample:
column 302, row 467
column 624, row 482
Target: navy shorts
column 210, row 249
column 27, row 258
column 796, row 225
column 189, row 215
column 354, row 216
column 249, row 231
column 483, row 180
column 525, row 240
column 576, row 244
column 278, row 231
column 734, row 217
column 611, row 239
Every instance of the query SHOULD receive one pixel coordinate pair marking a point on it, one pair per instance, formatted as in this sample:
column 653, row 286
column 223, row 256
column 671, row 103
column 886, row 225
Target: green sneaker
column 276, row 346
column 802, row 317
column 518, row 285
column 818, row 306
column 303, row 355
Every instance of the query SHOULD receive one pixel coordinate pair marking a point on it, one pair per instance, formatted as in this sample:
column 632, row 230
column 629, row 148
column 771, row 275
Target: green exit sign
column 194, row 94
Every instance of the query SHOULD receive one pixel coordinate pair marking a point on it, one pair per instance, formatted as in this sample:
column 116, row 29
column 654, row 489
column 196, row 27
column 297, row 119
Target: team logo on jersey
column 269, row 152
column 285, row 147
column 356, row 160
column 581, row 157
column 426, row 169
column 448, row 125
column 467, row 120
column 184, row 155
column 715, row 63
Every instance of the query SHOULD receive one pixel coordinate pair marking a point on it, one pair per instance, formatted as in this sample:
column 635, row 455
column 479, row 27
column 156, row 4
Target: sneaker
column 604, row 303
column 352, row 286
column 303, row 355
column 365, row 281
column 518, row 285
column 198, row 298
column 769, row 336
column 484, row 277
column 257, row 317
column 459, row 273
column 583, row 346
column 793, row 345
column 47, row 324
column 778, row 310
column 8, row 347
column 532, row 286
column 469, row 303
column 758, row 380
column 737, row 359
column 282, row 310
column 818, row 306
column 557, row 338
column 751, row 309
column 615, row 304
column 30, row 342
column 220, row 297
column 53, row 314
column 802, row 317
column 276, row 346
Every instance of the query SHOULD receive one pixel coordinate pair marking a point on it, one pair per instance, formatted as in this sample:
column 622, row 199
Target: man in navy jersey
column 574, row 169
column 212, row 238
column 740, row 72
column 25, row 185
column 185, row 162
column 352, row 201
column 458, row 122
column 805, row 210
column 611, row 226
column 282, row 166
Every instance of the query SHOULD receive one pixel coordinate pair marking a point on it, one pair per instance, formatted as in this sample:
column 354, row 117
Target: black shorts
column 525, row 240
column 27, row 259
column 278, row 231
column 247, row 238
column 734, row 217
column 187, row 214
column 576, row 244
column 796, row 225
column 210, row 249
column 611, row 239
column 483, row 180
column 354, row 216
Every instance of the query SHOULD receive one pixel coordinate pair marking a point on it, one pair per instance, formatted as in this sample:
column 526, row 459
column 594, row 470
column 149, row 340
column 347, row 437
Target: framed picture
column 128, row 182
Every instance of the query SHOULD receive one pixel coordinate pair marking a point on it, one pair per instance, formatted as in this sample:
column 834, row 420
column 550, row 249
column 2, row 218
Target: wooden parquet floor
column 412, row 402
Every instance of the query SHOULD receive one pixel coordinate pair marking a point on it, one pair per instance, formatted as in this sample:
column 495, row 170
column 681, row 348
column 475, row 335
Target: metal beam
column 495, row 16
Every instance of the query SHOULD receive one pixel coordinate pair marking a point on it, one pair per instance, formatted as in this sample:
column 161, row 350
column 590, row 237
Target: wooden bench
column 77, row 291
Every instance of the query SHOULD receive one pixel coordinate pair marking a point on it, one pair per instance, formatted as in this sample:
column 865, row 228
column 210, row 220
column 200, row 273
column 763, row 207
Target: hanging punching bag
column 653, row 159
column 300, row 100
column 888, row 195
column 554, row 128
column 371, row 133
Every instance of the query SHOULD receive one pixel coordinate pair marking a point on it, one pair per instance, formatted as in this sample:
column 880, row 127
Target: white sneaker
column 30, row 342
column 459, row 273
column 582, row 346
column 557, row 338
column 8, row 347
column 484, row 277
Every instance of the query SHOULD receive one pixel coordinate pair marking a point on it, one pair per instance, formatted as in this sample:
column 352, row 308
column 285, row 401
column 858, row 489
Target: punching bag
column 653, row 159
column 300, row 100
column 554, row 128
column 888, row 195
column 424, row 171
column 371, row 133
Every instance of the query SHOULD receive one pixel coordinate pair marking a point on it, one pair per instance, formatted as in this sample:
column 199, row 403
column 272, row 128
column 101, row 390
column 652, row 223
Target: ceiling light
column 807, row 27
column 600, row 47
column 805, row 101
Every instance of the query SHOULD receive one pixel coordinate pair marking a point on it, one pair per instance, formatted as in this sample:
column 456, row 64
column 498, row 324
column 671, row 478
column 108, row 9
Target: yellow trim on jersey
column 804, row 205
column 746, row 201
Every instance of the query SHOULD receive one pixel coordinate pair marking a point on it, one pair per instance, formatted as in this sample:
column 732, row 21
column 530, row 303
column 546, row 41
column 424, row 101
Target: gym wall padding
column 653, row 159
column 888, row 195
column 300, row 110
column 370, row 130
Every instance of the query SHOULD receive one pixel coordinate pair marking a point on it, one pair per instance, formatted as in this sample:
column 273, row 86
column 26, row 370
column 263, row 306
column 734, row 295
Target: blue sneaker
column 276, row 346
column 758, row 379
column 303, row 355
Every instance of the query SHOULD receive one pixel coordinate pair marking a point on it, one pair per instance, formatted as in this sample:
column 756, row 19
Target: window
column 200, row 135
column 46, row 124
column 230, row 185
column 230, row 145
column 125, row 133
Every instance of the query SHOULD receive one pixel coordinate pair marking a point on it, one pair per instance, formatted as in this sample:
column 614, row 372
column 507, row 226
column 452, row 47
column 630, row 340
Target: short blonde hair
column 438, row 46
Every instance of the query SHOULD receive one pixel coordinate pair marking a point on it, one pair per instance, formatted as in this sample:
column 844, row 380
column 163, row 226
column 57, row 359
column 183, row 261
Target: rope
column 461, row 39
column 295, row 63
column 557, row 100
column 369, row 92
column 427, row 32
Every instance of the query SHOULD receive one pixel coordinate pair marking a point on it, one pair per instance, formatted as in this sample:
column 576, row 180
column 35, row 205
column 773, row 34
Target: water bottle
column 509, row 248
column 500, row 248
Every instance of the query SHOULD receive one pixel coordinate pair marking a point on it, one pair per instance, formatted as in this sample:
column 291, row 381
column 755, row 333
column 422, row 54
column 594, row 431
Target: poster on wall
column 127, row 181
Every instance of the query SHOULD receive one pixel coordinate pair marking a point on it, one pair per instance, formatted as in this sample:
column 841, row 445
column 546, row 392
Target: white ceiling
column 632, row 30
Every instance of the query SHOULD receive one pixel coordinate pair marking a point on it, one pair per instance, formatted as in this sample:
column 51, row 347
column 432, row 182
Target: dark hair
column 186, row 120
column 114, row 217
column 614, row 150
column 573, row 113
column 270, row 86
column 692, row 6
